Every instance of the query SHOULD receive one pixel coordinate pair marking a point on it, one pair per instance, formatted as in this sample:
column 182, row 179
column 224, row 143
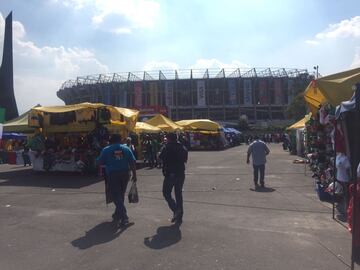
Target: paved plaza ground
column 51, row 221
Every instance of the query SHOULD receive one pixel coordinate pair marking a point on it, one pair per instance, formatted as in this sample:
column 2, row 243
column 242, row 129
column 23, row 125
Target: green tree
column 297, row 109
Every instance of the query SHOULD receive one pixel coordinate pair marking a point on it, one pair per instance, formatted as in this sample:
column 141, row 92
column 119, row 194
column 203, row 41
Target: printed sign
column 263, row 97
column 201, row 98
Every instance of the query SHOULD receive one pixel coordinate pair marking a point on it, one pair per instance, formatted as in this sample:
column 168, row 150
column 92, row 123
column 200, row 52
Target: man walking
column 174, row 156
column 258, row 150
column 118, row 160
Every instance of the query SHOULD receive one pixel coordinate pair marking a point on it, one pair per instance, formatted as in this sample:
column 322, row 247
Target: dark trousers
column 175, row 181
column 257, row 169
column 118, row 182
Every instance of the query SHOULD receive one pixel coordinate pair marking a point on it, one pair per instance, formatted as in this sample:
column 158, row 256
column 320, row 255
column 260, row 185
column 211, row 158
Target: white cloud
column 215, row 63
column 124, row 15
column 122, row 30
column 356, row 61
column 77, row 4
column 343, row 29
column 312, row 42
column 40, row 71
column 161, row 65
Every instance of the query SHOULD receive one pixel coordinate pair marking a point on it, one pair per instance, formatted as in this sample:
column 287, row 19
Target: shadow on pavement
column 27, row 177
column 100, row 234
column 264, row 189
column 165, row 236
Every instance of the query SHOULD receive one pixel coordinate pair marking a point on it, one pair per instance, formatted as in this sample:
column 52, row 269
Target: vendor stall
column 68, row 138
column 297, row 133
column 140, row 138
column 348, row 165
column 333, row 144
column 233, row 136
column 12, row 148
column 203, row 134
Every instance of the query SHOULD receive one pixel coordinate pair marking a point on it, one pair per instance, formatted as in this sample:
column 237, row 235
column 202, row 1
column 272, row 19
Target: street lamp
column 317, row 71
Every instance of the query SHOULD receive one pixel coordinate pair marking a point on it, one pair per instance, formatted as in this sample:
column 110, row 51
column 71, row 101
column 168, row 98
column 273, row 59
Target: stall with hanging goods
column 68, row 138
column 342, row 132
column 348, row 114
column 203, row 134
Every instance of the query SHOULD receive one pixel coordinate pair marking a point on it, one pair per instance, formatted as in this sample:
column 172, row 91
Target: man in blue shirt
column 258, row 150
column 118, row 160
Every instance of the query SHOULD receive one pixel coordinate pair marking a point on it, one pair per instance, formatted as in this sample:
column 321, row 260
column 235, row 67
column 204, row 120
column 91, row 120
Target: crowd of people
column 266, row 137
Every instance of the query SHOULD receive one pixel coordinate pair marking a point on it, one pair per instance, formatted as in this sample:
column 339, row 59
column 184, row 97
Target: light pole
column 317, row 71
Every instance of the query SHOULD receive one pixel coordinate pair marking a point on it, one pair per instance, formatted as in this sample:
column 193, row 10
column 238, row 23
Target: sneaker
column 124, row 222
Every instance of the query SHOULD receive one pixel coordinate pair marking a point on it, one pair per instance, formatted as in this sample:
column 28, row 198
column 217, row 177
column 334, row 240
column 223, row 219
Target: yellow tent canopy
column 142, row 127
column 301, row 123
column 19, row 124
column 199, row 124
column 85, row 113
column 333, row 89
column 164, row 123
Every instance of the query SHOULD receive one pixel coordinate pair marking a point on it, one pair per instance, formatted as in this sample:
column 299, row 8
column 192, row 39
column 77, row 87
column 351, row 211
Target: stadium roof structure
column 184, row 74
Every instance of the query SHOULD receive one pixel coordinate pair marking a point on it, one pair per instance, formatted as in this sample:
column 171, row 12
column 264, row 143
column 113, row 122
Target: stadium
column 260, row 95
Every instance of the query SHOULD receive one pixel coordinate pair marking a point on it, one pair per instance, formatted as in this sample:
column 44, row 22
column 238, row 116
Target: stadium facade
column 262, row 95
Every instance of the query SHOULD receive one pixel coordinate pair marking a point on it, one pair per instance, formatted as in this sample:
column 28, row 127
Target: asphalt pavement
column 61, row 221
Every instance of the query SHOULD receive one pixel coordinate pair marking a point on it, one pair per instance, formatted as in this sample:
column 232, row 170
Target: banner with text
column 248, row 100
column 278, row 96
column 232, row 92
column 138, row 95
column 153, row 90
column 169, row 93
column 263, row 95
column 201, row 94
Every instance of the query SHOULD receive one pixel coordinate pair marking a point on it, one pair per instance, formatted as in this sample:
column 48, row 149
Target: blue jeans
column 118, row 182
column 176, row 182
column 257, row 169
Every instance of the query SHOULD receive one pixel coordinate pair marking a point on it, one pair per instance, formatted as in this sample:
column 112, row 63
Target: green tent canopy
column 19, row 124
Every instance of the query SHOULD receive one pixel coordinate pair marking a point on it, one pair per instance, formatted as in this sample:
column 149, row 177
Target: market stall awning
column 199, row 124
column 232, row 130
column 13, row 136
column 142, row 127
column 301, row 123
column 164, row 123
column 19, row 124
column 85, row 116
column 333, row 89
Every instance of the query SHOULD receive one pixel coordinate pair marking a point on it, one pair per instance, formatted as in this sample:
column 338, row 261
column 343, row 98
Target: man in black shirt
column 174, row 156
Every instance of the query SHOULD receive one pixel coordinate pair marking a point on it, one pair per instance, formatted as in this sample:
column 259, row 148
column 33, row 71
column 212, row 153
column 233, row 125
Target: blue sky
column 62, row 39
